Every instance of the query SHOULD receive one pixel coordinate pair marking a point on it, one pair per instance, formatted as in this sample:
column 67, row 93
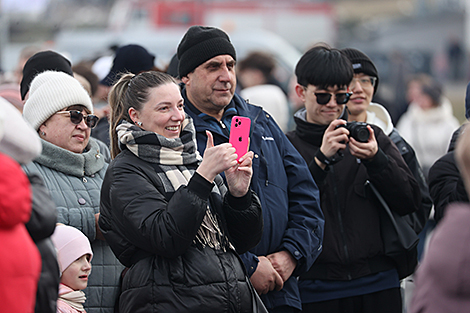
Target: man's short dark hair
column 324, row 67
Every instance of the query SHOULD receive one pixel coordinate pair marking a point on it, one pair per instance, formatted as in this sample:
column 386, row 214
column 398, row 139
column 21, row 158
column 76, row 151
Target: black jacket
column 419, row 218
column 445, row 183
column 352, row 246
column 40, row 227
column 152, row 232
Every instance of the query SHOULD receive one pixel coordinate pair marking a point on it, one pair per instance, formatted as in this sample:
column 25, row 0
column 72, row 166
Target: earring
column 139, row 123
column 43, row 133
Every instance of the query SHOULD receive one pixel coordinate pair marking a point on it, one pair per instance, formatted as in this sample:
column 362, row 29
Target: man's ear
column 300, row 91
column 185, row 80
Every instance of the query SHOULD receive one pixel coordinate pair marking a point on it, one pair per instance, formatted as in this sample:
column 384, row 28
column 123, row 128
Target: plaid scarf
column 171, row 158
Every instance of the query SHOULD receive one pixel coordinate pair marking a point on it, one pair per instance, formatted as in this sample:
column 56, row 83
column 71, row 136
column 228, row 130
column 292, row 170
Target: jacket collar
column 76, row 164
column 237, row 106
column 308, row 132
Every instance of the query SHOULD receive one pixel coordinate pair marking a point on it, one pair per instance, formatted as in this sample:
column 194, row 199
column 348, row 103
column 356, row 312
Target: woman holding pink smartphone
column 166, row 212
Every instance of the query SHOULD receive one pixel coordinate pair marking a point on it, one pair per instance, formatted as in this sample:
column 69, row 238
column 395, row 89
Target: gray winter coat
column 74, row 182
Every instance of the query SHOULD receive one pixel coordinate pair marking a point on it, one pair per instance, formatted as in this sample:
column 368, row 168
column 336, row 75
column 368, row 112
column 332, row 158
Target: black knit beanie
column 130, row 58
column 362, row 64
column 41, row 62
column 200, row 44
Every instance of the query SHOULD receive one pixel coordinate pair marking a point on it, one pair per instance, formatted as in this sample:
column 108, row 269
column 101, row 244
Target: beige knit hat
column 52, row 92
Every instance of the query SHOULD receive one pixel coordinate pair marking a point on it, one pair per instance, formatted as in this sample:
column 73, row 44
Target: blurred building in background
column 402, row 37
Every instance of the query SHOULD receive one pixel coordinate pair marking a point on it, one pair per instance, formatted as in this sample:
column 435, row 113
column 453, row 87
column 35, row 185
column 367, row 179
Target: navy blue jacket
column 293, row 220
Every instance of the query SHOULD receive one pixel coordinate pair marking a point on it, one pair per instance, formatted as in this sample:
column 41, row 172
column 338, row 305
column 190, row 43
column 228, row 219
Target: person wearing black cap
column 362, row 109
column 293, row 221
column 41, row 62
column 352, row 273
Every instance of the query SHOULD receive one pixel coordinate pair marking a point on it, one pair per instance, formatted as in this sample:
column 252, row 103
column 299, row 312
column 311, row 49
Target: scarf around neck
column 177, row 158
column 73, row 298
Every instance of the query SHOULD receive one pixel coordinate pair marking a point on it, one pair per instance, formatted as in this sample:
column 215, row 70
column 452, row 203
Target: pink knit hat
column 71, row 244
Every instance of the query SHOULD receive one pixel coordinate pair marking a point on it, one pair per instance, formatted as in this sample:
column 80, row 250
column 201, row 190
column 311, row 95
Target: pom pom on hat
column 200, row 44
column 71, row 244
column 52, row 92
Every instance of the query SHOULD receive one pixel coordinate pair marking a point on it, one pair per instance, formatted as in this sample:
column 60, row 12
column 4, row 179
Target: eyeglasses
column 76, row 117
column 325, row 97
column 365, row 81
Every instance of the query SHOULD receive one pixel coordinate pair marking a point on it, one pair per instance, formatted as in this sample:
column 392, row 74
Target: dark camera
column 357, row 130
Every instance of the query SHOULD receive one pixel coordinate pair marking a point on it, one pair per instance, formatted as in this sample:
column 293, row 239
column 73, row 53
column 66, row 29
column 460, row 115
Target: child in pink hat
column 74, row 255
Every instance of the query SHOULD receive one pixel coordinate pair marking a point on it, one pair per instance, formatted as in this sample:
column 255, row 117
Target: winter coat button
column 81, row 201
column 296, row 253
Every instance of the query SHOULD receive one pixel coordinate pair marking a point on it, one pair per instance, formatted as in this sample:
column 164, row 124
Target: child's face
column 76, row 275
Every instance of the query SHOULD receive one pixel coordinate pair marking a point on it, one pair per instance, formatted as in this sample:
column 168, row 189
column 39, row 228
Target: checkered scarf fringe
column 173, row 157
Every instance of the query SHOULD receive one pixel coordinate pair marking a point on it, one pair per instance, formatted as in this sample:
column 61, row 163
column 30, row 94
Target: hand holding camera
column 359, row 136
column 335, row 138
column 357, row 130
column 362, row 143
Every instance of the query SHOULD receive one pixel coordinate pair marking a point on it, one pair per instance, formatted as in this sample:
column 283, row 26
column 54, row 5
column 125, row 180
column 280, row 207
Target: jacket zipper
column 340, row 221
column 224, row 128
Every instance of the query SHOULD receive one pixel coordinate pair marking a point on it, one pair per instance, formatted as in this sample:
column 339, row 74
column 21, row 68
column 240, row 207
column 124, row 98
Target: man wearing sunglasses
column 352, row 274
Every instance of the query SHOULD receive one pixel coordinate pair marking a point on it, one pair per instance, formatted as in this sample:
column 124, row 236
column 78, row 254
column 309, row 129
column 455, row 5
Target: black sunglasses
column 325, row 97
column 76, row 117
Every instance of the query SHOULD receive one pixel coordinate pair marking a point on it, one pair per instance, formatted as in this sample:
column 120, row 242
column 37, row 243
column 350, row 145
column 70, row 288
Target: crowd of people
column 124, row 194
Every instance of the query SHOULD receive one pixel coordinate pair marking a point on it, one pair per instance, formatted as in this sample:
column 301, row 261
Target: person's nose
column 86, row 265
column 177, row 115
column 82, row 124
column 225, row 74
column 332, row 101
column 356, row 86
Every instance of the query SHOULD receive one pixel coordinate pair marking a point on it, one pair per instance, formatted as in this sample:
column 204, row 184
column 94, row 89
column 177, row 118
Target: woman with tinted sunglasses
column 72, row 165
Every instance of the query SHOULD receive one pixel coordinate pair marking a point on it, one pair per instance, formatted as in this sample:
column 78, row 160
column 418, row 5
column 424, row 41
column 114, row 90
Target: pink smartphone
column 240, row 135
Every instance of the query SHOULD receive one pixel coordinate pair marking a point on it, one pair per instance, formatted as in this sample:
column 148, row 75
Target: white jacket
column 428, row 132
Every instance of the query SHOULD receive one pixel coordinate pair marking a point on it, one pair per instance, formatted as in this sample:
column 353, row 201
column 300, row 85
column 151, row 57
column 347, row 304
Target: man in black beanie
column 352, row 274
column 362, row 109
column 293, row 221
column 41, row 62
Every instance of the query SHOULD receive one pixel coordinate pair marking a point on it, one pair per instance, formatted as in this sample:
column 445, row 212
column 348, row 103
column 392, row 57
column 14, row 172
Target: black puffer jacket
column 352, row 246
column 151, row 231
